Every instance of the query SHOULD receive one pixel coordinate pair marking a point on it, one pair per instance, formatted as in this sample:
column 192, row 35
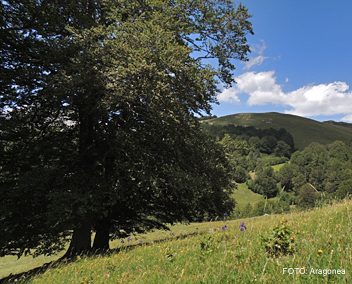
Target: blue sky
column 301, row 61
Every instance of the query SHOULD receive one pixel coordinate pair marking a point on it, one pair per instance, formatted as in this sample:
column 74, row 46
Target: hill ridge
column 304, row 130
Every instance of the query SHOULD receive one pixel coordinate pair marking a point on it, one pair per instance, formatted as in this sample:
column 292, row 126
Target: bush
column 344, row 189
column 307, row 196
column 260, row 208
column 287, row 197
column 265, row 183
column 280, row 242
column 206, row 247
column 245, row 212
column 240, row 174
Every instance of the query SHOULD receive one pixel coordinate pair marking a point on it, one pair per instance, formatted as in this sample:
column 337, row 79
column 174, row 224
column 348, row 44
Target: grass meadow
column 323, row 239
column 243, row 195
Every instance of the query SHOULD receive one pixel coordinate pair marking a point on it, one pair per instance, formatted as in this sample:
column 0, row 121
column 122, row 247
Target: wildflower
column 224, row 228
column 320, row 252
column 129, row 239
column 243, row 227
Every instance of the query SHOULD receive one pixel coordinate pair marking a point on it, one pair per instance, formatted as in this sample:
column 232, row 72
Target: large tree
column 98, row 107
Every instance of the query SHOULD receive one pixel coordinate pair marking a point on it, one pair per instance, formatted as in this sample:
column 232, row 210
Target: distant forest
column 268, row 141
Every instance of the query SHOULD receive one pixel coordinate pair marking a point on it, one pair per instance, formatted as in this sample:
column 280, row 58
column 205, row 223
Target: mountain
column 303, row 130
column 339, row 123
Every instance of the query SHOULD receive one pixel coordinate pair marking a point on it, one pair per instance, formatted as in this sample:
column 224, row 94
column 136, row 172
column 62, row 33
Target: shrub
column 307, row 196
column 265, row 182
column 206, row 246
column 280, row 242
column 344, row 189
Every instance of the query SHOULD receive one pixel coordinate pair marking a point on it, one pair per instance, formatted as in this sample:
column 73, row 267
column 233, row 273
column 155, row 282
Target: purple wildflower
column 129, row 238
column 243, row 227
column 224, row 228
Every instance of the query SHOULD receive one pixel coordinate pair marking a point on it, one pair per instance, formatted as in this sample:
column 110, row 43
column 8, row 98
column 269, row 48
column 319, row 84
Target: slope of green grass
column 278, row 167
column 339, row 123
column 323, row 241
column 303, row 130
column 243, row 195
column 13, row 265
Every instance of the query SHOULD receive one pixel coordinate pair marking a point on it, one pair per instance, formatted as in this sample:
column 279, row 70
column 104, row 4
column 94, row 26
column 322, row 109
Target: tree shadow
column 26, row 276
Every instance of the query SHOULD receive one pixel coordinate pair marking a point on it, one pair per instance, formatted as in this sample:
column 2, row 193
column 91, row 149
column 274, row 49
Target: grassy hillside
column 323, row 241
column 339, row 124
column 303, row 130
column 243, row 195
column 11, row 264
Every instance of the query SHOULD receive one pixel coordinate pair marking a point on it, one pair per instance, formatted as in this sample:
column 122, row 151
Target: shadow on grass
column 26, row 276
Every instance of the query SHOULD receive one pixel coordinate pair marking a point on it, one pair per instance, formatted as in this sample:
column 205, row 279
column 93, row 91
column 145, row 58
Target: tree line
column 319, row 172
column 313, row 176
column 268, row 140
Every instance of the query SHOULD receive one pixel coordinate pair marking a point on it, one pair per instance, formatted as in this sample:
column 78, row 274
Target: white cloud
column 259, row 58
column 261, row 88
column 312, row 100
column 322, row 99
column 229, row 95
column 347, row 118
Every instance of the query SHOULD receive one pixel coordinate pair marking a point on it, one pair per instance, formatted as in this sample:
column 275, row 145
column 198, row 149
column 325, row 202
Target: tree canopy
column 98, row 105
column 325, row 168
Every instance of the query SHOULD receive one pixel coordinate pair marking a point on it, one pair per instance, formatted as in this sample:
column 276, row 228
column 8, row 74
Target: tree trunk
column 81, row 241
column 81, row 238
column 102, row 225
column 101, row 239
